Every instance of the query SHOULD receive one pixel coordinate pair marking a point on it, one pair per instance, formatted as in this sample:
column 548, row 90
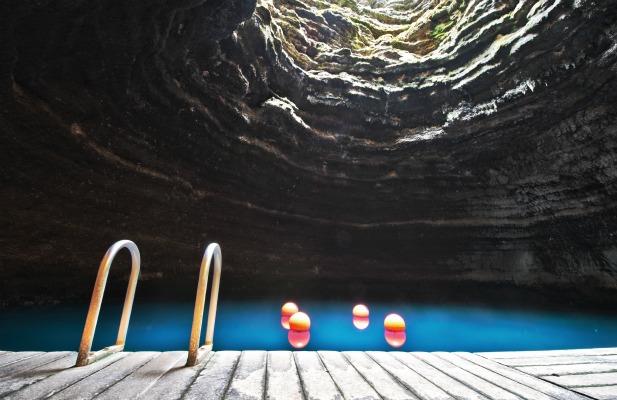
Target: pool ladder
column 196, row 353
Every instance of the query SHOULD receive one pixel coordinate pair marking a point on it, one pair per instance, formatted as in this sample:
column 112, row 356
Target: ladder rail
column 196, row 353
column 85, row 356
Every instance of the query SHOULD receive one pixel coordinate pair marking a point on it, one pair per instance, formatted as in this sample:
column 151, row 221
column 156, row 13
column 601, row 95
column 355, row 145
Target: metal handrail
column 85, row 356
column 196, row 353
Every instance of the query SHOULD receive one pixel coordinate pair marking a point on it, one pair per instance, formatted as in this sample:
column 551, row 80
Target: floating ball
column 360, row 322
column 394, row 323
column 287, row 311
column 360, row 310
column 299, row 322
column 395, row 338
column 298, row 339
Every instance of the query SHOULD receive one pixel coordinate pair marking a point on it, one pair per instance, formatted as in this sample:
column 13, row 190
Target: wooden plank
column 62, row 380
column 600, row 392
column 550, row 353
column 310, row 375
column 351, row 384
column 511, row 385
column 557, row 360
column 283, row 381
column 440, row 379
column 177, row 380
column 140, row 380
column 31, row 363
column 316, row 381
column 11, row 358
column 416, row 383
column 213, row 380
column 480, row 385
column 99, row 381
column 249, row 380
column 601, row 379
column 568, row 369
column 520, row 377
column 15, row 382
column 387, row 387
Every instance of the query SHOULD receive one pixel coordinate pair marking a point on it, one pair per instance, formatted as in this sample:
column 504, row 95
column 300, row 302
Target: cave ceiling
column 442, row 140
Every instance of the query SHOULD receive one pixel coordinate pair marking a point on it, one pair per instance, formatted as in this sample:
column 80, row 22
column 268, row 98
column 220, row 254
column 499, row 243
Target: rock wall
column 357, row 143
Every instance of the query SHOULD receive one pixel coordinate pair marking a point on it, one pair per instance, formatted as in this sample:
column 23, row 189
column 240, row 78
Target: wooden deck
column 304, row 375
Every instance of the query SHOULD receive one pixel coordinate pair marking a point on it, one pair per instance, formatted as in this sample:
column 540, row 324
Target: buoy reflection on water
column 298, row 339
column 361, row 323
column 395, row 339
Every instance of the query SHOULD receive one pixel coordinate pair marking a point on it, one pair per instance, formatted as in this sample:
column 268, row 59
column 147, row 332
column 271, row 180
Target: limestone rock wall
column 355, row 142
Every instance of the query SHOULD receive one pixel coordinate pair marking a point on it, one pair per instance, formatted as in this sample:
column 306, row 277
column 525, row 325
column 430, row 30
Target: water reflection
column 361, row 322
column 298, row 339
column 395, row 339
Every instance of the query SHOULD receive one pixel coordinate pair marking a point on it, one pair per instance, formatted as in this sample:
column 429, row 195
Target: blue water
column 256, row 325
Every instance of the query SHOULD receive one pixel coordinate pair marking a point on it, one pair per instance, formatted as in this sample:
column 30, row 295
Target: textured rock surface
column 357, row 143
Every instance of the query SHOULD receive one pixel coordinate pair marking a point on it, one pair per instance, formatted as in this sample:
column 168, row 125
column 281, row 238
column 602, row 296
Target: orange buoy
column 360, row 310
column 287, row 311
column 394, row 323
column 299, row 322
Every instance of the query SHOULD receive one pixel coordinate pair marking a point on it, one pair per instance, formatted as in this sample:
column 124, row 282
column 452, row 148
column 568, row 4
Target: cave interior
column 438, row 150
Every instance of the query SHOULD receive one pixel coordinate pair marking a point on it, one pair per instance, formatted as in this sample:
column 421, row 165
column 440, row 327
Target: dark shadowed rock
column 359, row 144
